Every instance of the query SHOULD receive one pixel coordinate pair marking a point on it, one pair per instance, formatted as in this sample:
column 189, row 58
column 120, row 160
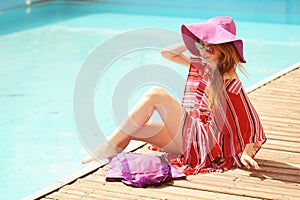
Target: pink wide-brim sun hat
column 216, row 30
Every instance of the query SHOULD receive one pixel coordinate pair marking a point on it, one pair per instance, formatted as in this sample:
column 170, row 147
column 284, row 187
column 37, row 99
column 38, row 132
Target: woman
column 216, row 126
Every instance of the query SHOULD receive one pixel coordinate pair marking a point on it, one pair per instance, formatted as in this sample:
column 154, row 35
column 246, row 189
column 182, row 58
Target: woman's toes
column 104, row 151
column 87, row 160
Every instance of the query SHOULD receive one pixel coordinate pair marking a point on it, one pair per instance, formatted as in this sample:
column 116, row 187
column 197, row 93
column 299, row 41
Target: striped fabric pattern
column 195, row 98
column 214, row 138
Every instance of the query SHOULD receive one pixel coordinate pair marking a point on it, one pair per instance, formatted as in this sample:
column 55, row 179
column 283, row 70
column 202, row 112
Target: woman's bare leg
column 138, row 126
column 157, row 134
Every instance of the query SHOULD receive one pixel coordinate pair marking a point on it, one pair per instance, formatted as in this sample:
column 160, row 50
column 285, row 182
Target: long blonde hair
column 228, row 60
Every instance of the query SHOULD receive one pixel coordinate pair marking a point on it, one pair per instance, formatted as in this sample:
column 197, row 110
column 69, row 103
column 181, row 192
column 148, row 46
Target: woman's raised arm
column 175, row 53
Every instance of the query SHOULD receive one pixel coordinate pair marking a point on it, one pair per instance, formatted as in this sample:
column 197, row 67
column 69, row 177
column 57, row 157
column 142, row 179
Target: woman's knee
column 156, row 93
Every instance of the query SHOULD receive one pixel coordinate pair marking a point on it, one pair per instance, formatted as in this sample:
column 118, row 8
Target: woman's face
column 208, row 53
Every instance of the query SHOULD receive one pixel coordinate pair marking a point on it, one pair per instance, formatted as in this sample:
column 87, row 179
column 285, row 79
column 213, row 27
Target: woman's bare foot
column 105, row 150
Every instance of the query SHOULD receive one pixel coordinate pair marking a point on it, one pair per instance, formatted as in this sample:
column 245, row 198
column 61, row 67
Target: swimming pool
column 40, row 62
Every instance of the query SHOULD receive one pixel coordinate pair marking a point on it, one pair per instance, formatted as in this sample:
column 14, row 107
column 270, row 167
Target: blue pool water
column 42, row 49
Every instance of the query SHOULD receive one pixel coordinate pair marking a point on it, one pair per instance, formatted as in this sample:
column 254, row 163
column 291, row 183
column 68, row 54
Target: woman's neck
column 230, row 75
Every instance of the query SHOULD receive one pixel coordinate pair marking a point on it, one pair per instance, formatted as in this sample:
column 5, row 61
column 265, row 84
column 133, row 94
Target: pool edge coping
column 271, row 78
column 81, row 173
column 95, row 166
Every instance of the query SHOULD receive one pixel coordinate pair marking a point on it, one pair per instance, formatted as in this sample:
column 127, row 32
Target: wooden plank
column 278, row 100
column 282, row 111
column 257, row 102
column 97, row 188
column 281, row 86
column 227, row 188
column 283, row 134
column 266, row 175
column 278, row 93
column 291, row 82
column 289, row 128
column 283, row 137
column 286, row 114
column 272, row 97
column 46, row 198
column 284, row 128
column 284, row 143
column 244, row 179
column 99, row 194
column 281, row 148
column 281, row 126
column 278, row 131
column 247, row 188
column 284, row 157
column 280, row 120
column 275, row 90
column 144, row 192
column 255, row 96
column 292, row 78
column 63, row 196
column 274, row 108
column 177, row 192
column 295, row 173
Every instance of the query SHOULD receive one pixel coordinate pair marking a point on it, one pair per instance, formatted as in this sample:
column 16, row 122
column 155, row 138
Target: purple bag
column 141, row 170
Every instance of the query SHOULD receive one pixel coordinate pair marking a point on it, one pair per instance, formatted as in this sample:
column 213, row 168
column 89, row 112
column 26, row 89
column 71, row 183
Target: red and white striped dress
column 213, row 138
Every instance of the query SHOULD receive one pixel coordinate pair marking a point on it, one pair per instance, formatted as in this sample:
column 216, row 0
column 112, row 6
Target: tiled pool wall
column 269, row 11
column 276, row 6
column 6, row 4
column 273, row 11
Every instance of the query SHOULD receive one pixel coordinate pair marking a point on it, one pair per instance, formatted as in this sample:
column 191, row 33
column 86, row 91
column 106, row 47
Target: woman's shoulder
column 233, row 85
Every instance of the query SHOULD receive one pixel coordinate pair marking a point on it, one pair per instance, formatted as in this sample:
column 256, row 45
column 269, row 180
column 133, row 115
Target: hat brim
column 211, row 33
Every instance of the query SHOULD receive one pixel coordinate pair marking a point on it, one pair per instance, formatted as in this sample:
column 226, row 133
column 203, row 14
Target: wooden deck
column 278, row 105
